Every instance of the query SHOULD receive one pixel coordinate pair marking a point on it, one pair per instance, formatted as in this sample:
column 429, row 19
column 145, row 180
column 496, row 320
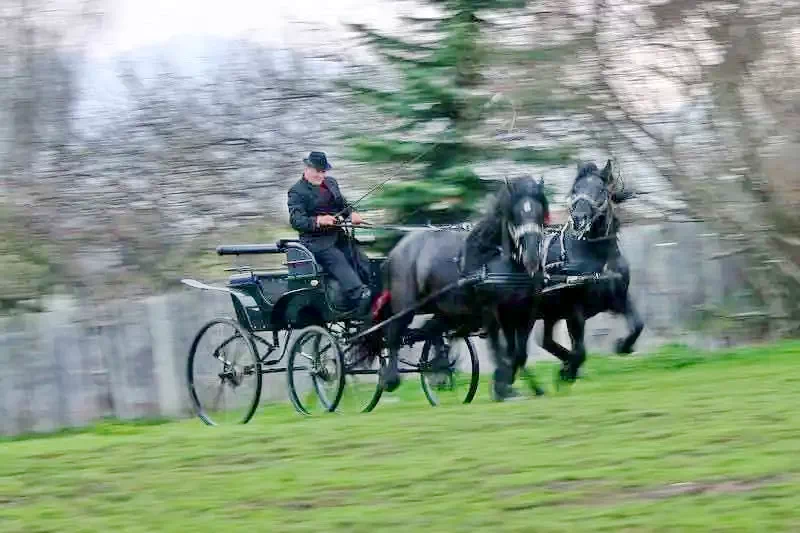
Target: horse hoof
column 505, row 393
column 390, row 379
column 495, row 395
column 391, row 384
column 564, row 376
column 538, row 391
column 622, row 348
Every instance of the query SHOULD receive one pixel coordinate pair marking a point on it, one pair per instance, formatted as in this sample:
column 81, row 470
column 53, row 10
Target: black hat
column 317, row 160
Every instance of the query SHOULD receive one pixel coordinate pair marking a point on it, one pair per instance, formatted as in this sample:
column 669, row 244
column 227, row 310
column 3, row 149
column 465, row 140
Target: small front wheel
column 449, row 371
column 224, row 373
column 314, row 370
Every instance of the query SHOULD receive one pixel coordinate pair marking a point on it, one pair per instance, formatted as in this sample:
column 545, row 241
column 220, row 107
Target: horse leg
column 517, row 354
column 624, row 345
column 551, row 345
column 521, row 359
column 501, row 382
column 390, row 374
column 515, row 361
column 621, row 303
column 432, row 328
column 576, row 325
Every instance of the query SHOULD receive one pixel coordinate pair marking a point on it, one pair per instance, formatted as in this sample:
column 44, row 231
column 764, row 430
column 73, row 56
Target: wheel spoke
column 318, row 385
column 449, row 371
column 235, row 364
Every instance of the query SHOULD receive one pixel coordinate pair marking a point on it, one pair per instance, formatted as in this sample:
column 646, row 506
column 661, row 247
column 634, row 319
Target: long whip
column 495, row 98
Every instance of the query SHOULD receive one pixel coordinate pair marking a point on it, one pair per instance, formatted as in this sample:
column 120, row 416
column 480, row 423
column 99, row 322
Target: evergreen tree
column 441, row 84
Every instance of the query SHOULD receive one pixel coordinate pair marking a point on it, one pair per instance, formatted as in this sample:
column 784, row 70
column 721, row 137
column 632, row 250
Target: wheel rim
column 449, row 371
column 362, row 389
column 315, row 371
column 224, row 374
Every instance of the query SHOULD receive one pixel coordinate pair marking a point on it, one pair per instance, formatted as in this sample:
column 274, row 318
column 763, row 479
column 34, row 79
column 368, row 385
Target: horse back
column 423, row 262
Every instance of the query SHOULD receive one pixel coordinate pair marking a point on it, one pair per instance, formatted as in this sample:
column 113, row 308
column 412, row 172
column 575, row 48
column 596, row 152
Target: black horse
column 587, row 243
column 425, row 262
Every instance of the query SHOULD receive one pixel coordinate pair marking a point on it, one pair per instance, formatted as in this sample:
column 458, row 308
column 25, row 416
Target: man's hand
column 355, row 218
column 326, row 220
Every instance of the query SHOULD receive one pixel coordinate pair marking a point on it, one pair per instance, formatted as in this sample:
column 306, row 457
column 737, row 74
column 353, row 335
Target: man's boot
column 359, row 302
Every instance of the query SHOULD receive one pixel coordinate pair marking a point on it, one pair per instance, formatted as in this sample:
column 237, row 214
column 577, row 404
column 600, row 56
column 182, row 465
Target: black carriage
column 301, row 301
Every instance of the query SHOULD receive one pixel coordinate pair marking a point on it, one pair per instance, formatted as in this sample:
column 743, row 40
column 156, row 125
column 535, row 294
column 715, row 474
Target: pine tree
column 441, row 84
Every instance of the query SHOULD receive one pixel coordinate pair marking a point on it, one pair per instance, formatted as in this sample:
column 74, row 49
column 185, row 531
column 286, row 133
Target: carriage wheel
column 363, row 389
column 224, row 373
column 315, row 371
column 449, row 371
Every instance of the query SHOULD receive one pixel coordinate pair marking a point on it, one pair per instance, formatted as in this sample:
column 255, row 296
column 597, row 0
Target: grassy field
column 676, row 441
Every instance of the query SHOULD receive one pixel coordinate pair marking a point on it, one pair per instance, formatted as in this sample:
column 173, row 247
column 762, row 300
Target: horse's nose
column 531, row 262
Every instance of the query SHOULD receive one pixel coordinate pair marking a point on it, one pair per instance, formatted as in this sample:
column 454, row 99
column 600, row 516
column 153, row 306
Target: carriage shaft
column 463, row 282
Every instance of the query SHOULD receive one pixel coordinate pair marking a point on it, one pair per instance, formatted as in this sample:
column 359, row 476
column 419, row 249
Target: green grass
column 604, row 456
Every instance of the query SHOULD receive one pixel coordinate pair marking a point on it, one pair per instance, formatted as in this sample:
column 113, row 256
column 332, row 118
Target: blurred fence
column 127, row 359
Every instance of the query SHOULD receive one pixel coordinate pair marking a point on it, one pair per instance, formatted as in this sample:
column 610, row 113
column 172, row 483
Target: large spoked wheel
column 224, row 373
column 449, row 371
column 363, row 388
column 315, row 371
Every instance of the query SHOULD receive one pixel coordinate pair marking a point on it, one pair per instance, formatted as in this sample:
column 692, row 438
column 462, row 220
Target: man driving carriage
column 314, row 201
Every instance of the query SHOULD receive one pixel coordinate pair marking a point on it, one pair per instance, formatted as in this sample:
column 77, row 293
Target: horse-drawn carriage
column 323, row 368
column 527, row 277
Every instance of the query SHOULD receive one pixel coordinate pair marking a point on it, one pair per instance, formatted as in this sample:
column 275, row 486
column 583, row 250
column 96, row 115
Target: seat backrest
column 299, row 262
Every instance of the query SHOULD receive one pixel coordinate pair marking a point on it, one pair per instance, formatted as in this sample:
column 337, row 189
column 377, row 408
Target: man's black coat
column 306, row 201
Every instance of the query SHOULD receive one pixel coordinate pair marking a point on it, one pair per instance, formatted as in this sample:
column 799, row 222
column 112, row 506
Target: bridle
column 516, row 233
column 599, row 209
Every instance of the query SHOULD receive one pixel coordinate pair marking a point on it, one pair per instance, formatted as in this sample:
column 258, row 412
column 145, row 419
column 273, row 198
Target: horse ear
column 606, row 173
column 508, row 184
column 541, row 181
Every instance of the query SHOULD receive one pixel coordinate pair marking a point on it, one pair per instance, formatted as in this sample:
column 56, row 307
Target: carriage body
column 300, row 295
column 300, row 301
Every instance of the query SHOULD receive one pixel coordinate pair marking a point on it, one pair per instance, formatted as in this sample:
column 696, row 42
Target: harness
column 603, row 208
column 510, row 242
column 606, row 207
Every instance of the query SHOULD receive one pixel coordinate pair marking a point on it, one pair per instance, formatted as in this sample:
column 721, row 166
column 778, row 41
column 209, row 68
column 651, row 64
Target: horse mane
column 484, row 238
column 487, row 233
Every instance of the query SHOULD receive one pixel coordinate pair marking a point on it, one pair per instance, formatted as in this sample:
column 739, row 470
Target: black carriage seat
column 300, row 261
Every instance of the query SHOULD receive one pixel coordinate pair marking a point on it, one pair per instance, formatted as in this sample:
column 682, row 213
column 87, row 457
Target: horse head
column 589, row 201
column 523, row 209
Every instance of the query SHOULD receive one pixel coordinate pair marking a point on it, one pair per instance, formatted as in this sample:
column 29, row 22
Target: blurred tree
column 435, row 118
column 42, row 46
column 705, row 94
